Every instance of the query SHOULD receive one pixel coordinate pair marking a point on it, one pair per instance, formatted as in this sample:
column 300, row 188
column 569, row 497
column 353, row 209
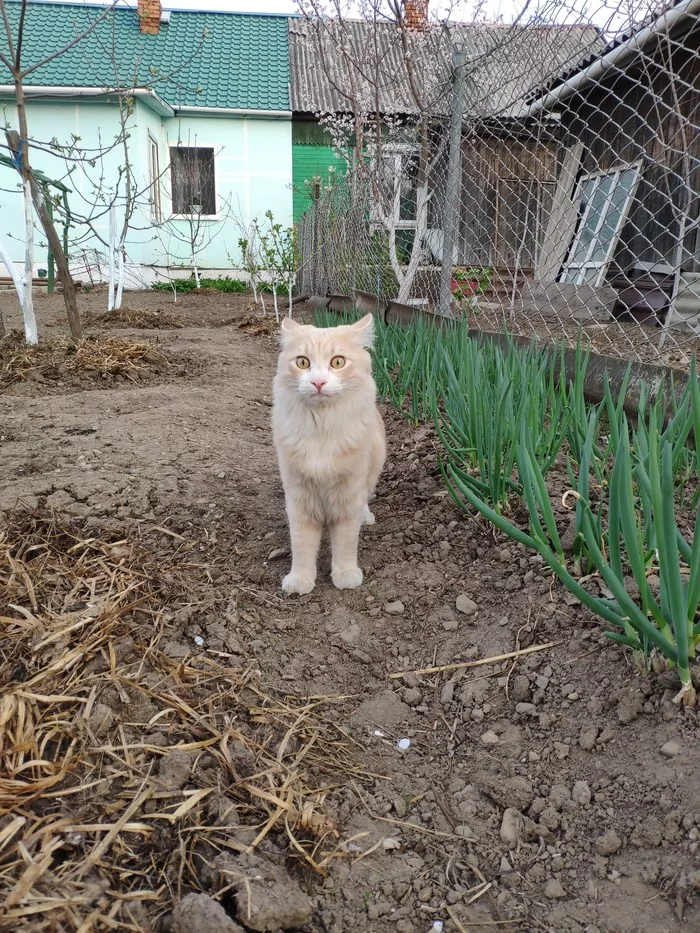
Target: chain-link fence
column 544, row 182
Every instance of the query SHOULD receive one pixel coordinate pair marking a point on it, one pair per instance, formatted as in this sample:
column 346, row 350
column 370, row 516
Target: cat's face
column 322, row 364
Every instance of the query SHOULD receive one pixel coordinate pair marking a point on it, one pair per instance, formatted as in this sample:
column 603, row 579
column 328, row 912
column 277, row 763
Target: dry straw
column 92, row 836
column 57, row 358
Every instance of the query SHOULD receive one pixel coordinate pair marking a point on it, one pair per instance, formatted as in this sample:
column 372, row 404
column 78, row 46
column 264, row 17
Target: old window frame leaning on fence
column 575, row 270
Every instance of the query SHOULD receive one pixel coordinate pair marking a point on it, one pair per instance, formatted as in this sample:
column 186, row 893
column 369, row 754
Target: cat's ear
column 364, row 329
column 287, row 327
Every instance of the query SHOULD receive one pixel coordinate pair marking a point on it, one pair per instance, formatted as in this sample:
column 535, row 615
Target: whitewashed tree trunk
column 30, row 331
column 15, row 274
column 290, row 286
column 406, row 286
column 120, row 278
column 274, row 300
column 111, row 247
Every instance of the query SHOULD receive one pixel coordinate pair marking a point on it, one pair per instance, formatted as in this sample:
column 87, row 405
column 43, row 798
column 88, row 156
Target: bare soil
column 557, row 791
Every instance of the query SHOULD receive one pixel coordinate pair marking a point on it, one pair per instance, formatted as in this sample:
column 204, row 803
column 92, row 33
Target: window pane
column 192, row 179
column 589, row 275
column 586, row 192
column 614, row 216
column 593, row 218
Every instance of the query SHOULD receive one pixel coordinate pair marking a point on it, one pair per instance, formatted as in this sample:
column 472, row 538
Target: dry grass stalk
column 93, row 837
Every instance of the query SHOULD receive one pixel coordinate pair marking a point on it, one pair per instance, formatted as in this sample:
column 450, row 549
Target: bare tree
column 18, row 142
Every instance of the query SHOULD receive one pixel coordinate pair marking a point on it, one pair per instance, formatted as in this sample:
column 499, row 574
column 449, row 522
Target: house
column 196, row 103
column 625, row 222
column 340, row 70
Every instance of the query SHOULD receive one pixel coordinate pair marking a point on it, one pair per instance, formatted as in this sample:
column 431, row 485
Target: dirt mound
column 58, row 364
column 139, row 318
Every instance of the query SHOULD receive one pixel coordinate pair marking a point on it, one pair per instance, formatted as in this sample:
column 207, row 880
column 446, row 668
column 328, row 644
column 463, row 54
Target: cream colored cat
column 330, row 444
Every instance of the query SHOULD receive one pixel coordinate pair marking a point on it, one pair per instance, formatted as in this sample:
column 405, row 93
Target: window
column 154, row 178
column 604, row 202
column 396, row 175
column 396, row 180
column 192, row 180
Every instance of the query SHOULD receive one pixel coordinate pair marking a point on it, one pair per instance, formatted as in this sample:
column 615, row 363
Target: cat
column 330, row 443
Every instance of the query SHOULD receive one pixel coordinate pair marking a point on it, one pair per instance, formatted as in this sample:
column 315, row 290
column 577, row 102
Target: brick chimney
column 415, row 14
column 149, row 13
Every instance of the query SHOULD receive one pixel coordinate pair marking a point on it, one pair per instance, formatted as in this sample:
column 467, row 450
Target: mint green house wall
column 210, row 79
column 253, row 173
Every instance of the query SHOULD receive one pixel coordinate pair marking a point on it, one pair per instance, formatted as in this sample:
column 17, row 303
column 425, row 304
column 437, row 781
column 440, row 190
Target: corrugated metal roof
column 690, row 23
column 198, row 59
column 334, row 62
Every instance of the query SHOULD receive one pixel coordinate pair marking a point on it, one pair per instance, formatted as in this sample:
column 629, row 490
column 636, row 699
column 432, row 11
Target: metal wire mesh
column 550, row 188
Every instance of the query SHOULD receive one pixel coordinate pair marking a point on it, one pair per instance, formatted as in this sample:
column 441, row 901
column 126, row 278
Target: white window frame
column 155, row 179
column 216, row 149
column 397, row 153
column 573, row 273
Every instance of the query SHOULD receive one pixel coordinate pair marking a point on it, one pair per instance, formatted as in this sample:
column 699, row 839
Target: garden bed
column 594, row 754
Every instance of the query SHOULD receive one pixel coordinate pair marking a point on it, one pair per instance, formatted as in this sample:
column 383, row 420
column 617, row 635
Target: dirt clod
column 267, row 898
column 199, row 913
column 466, row 605
column 553, row 890
column 608, row 844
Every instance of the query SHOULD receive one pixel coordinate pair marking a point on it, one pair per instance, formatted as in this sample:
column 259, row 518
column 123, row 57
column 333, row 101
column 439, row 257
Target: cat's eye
column 338, row 362
column 303, row 362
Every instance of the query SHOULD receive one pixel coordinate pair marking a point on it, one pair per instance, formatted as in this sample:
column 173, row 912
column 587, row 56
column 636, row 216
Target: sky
column 492, row 8
column 603, row 13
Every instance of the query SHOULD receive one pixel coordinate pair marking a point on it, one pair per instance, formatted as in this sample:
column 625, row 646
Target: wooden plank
column 562, row 220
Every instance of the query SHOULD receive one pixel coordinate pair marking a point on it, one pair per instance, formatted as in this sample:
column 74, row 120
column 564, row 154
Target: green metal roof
column 233, row 60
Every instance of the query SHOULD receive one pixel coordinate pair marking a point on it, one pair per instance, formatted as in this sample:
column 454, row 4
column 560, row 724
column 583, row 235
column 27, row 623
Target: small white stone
column 198, row 640
column 395, row 608
column 403, row 744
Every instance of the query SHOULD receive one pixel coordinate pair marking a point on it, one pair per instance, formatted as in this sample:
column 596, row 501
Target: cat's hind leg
column 305, row 534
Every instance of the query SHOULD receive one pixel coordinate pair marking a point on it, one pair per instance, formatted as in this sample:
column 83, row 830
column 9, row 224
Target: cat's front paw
column 367, row 516
column 295, row 583
column 347, row 579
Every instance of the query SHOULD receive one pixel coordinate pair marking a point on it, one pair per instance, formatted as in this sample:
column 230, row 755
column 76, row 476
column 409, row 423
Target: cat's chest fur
column 326, row 444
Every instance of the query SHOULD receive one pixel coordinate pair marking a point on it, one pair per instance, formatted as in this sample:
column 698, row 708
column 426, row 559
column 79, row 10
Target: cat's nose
column 319, row 383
